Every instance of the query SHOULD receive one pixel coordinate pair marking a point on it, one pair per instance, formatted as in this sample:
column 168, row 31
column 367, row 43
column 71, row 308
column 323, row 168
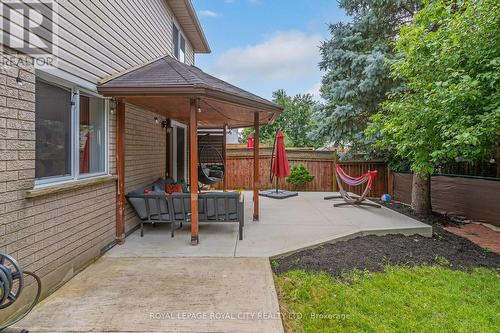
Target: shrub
column 299, row 176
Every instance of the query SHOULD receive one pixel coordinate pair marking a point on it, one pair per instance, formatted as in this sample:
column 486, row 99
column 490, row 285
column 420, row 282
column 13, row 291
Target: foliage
column 296, row 121
column 299, row 175
column 356, row 60
column 449, row 106
column 419, row 299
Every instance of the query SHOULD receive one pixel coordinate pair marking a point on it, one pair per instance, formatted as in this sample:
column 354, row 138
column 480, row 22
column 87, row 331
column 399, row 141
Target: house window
column 92, row 150
column 179, row 44
column 71, row 133
column 53, row 131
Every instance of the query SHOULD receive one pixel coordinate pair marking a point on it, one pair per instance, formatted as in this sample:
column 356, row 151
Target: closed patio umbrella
column 280, row 168
column 250, row 141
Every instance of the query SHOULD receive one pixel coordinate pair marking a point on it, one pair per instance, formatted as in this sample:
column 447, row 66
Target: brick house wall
column 145, row 153
column 54, row 235
column 57, row 235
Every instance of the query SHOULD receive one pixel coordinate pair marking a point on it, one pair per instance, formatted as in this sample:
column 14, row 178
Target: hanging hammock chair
column 349, row 199
column 210, row 165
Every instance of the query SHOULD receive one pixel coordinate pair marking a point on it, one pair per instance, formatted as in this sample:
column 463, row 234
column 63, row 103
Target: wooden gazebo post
column 120, row 172
column 224, row 148
column 256, row 168
column 193, row 169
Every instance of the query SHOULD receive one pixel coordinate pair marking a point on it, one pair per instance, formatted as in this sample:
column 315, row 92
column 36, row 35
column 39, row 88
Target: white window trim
column 75, row 132
column 175, row 125
column 179, row 35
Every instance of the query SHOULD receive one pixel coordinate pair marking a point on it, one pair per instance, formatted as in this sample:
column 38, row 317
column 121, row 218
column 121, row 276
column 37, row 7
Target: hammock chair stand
column 210, row 166
column 351, row 200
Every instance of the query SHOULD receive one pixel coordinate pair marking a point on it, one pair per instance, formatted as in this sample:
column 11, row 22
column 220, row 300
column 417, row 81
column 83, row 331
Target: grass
column 419, row 299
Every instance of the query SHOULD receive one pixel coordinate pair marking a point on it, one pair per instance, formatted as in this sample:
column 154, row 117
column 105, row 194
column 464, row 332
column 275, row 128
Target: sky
column 266, row 45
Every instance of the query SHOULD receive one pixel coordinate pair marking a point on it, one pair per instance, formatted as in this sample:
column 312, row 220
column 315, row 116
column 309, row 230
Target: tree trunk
column 421, row 194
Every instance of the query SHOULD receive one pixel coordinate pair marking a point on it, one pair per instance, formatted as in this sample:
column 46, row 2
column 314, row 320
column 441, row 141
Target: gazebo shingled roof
column 166, row 85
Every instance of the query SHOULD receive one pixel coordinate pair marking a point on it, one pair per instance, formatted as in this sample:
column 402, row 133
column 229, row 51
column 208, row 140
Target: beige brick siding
column 56, row 235
column 144, row 153
column 59, row 234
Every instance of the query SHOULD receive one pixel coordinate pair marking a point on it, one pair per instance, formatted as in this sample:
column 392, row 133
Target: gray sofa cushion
column 139, row 204
column 216, row 205
column 155, row 206
column 211, row 205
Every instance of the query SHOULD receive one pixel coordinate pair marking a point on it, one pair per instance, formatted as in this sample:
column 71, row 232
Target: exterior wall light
column 112, row 106
column 19, row 81
column 166, row 124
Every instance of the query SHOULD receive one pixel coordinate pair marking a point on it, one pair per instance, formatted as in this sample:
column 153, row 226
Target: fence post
column 390, row 181
column 497, row 157
column 334, row 172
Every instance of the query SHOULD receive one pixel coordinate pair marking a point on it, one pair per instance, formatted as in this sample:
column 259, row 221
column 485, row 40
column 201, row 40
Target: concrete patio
column 285, row 226
column 163, row 284
column 163, row 295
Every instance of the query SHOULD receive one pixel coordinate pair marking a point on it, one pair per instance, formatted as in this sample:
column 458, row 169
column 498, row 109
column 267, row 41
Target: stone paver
column 479, row 234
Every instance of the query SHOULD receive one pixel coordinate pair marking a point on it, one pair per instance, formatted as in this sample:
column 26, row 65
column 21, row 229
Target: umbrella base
column 280, row 194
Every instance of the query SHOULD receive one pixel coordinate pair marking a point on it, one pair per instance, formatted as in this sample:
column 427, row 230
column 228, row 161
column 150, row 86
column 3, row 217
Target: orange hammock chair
column 349, row 199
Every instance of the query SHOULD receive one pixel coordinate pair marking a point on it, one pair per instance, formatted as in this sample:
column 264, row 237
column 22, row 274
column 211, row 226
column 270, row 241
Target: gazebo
column 188, row 95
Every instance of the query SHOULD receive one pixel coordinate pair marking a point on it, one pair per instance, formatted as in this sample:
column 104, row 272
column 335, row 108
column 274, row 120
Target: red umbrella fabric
column 281, row 167
column 85, row 155
column 250, row 141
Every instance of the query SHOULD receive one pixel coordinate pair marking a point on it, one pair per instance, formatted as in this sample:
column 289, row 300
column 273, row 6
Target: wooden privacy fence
column 321, row 164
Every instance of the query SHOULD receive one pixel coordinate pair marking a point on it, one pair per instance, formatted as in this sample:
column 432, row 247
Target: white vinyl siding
column 98, row 38
column 189, row 54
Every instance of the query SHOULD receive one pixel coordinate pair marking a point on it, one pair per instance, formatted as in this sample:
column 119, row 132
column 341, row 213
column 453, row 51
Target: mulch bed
column 372, row 253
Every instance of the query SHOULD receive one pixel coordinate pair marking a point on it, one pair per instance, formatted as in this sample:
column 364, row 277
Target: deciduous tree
column 296, row 121
column 449, row 106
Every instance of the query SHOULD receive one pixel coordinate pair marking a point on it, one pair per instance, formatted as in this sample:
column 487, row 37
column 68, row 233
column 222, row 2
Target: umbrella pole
column 277, row 184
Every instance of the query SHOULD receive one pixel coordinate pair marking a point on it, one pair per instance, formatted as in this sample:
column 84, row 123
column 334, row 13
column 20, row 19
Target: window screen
column 53, row 130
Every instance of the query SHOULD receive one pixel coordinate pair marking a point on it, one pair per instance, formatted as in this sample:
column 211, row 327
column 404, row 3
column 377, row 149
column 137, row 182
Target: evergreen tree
column 356, row 60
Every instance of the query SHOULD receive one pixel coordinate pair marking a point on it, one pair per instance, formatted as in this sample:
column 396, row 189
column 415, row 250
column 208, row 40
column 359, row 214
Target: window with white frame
column 179, row 44
column 71, row 133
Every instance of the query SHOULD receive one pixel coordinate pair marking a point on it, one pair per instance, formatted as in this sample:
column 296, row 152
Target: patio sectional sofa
column 158, row 207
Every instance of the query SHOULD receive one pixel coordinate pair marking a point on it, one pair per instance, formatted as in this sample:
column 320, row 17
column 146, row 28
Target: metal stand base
column 355, row 203
column 280, row 194
column 333, row 197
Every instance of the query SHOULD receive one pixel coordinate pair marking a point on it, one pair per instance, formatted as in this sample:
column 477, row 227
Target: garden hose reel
column 12, row 284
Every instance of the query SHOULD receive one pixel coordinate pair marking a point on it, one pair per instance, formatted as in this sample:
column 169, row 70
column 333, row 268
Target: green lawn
column 420, row 299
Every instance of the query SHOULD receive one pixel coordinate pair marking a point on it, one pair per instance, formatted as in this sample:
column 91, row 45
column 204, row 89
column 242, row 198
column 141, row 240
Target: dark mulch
column 372, row 253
